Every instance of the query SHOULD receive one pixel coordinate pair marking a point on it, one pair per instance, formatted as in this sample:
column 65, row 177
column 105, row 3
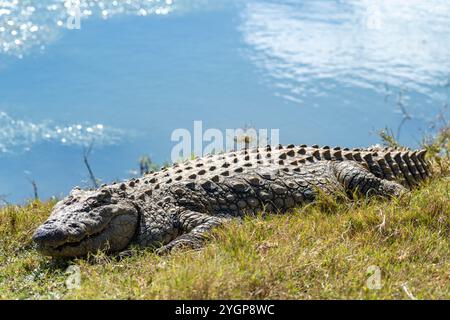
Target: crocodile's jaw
column 74, row 230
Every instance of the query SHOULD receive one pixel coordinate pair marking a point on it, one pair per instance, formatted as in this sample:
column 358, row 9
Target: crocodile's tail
column 410, row 168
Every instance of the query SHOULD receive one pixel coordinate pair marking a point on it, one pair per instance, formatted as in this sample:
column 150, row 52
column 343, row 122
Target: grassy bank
column 360, row 249
column 321, row 251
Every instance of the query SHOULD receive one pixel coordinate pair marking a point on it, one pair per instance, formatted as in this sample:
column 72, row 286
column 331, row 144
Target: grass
column 310, row 254
column 327, row 250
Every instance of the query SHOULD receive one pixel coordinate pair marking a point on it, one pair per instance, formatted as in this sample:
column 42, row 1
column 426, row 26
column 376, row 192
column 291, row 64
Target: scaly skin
column 178, row 205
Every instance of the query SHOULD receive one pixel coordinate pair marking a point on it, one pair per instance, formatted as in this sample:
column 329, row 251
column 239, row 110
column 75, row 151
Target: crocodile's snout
column 87, row 221
column 45, row 236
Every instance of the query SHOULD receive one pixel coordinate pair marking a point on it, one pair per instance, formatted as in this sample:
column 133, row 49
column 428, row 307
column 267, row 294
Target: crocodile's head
column 88, row 221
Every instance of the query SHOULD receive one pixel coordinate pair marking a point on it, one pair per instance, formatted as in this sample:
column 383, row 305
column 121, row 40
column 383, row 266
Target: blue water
column 325, row 72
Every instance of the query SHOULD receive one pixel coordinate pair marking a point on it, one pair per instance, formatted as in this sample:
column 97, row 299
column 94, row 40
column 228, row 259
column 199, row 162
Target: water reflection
column 352, row 64
column 28, row 24
column 18, row 135
column 310, row 47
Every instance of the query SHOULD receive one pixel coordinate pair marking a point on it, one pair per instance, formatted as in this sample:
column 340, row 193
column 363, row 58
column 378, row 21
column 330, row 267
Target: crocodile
column 178, row 205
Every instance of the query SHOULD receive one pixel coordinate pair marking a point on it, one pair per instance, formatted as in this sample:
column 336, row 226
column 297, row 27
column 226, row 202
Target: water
column 325, row 72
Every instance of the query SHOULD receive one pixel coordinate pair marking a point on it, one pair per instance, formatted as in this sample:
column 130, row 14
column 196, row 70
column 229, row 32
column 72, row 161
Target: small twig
column 245, row 138
column 406, row 115
column 87, row 152
column 383, row 223
column 408, row 293
column 347, row 230
column 35, row 188
column 399, row 129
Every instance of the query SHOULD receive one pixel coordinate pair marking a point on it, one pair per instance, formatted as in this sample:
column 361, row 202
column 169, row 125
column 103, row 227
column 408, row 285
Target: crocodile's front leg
column 355, row 177
column 195, row 227
column 158, row 225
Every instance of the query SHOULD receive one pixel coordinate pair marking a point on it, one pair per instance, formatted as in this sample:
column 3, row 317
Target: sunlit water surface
column 325, row 72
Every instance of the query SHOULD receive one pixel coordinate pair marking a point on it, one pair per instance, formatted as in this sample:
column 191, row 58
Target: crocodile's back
column 405, row 166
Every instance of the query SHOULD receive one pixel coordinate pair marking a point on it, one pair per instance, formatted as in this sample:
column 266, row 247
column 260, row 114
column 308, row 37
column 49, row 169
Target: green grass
column 319, row 251
column 322, row 251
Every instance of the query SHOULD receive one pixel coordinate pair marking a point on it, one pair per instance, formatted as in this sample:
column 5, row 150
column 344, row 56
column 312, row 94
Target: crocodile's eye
column 99, row 200
column 70, row 200
column 105, row 195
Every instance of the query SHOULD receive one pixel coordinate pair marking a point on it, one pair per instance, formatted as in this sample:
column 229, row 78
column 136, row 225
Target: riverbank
column 374, row 249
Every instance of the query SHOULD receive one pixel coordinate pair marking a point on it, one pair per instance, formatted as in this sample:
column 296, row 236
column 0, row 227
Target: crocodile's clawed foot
column 124, row 254
column 178, row 244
